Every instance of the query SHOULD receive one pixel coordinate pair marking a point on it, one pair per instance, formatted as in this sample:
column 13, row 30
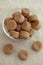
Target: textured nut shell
column 25, row 12
column 7, row 20
column 24, row 35
column 26, row 26
column 14, row 34
column 32, row 17
column 8, row 49
column 18, row 28
column 10, row 24
column 23, row 55
column 31, row 32
column 18, row 17
column 35, row 24
column 37, row 45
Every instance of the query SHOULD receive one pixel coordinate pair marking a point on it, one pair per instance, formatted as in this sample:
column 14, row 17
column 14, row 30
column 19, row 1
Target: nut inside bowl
column 3, row 24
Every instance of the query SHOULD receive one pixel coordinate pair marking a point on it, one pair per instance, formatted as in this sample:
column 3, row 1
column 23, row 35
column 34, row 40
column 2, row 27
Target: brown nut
column 23, row 55
column 35, row 24
column 10, row 24
column 24, row 35
column 7, row 20
column 18, row 17
column 32, row 18
column 26, row 19
column 37, row 45
column 14, row 34
column 8, row 48
column 26, row 26
column 31, row 32
column 25, row 12
column 18, row 28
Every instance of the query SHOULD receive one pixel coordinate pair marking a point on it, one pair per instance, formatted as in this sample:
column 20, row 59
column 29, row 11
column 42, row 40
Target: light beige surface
column 36, row 58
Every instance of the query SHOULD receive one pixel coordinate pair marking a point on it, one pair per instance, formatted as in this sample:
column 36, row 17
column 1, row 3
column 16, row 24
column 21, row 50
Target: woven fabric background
column 36, row 58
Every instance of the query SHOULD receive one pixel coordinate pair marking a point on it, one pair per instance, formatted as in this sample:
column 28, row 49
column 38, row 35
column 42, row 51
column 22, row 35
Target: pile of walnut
column 22, row 24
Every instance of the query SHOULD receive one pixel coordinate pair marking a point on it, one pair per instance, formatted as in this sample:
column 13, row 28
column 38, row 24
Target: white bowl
column 9, row 13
